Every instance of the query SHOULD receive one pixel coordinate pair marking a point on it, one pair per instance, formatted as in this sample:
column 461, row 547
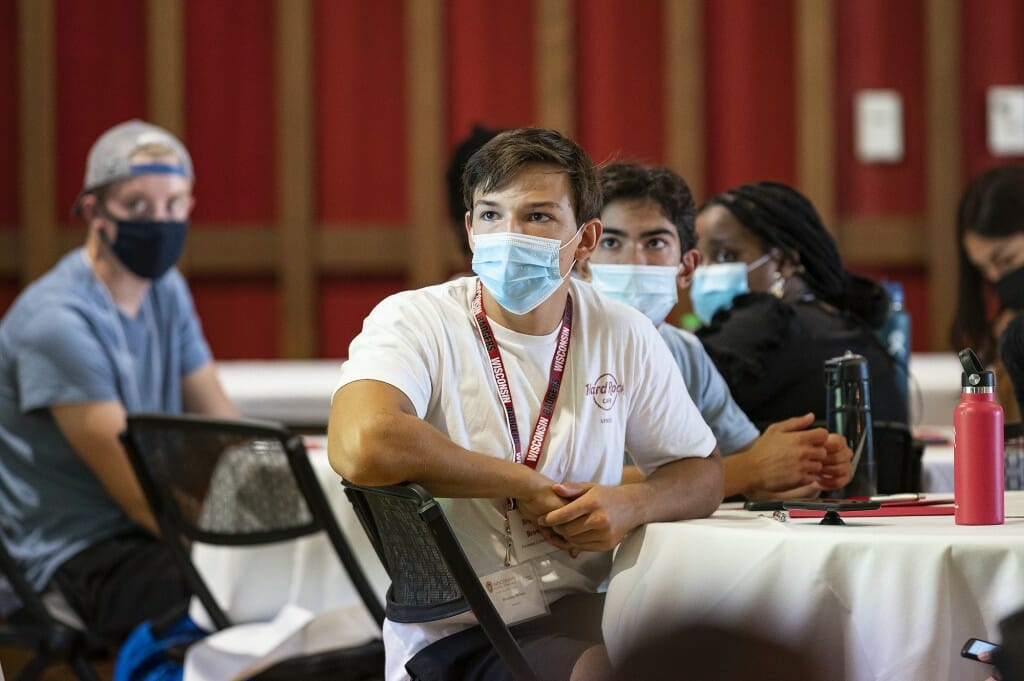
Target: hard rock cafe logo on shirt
column 604, row 391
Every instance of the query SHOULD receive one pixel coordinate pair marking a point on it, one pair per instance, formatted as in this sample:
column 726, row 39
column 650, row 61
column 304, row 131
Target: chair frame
column 431, row 514
column 53, row 641
column 178, row 534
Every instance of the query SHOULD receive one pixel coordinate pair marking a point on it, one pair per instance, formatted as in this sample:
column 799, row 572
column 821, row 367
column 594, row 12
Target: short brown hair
column 496, row 163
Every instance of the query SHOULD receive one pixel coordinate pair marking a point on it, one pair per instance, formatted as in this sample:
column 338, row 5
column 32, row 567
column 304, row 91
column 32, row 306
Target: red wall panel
column 489, row 65
column 101, row 76
column 992, row 54
column 344, row 303
column 749, row 92
column 880, row 44
column 9, row 132
column 620, row 77
column 360, row 110
column 230, row 111
column 239, row 316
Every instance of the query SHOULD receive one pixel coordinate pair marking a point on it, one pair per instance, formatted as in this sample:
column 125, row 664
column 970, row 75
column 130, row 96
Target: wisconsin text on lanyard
column 547, row 408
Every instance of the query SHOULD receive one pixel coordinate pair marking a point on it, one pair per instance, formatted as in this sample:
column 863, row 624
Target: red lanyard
column 547, row 407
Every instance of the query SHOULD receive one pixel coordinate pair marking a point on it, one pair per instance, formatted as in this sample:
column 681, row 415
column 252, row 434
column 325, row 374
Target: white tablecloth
column 879, row 598
column 254, row 583
column 296, row 393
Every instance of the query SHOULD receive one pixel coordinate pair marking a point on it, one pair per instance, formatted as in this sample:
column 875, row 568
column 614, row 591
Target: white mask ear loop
column 760, row 261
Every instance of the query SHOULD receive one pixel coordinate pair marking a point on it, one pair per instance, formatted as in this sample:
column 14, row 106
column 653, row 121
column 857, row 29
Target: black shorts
column 121, row 582
column 551, row 645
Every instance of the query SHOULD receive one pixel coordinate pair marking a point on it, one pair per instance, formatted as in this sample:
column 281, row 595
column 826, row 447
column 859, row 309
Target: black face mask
column 1010, row 290
column 149, row 248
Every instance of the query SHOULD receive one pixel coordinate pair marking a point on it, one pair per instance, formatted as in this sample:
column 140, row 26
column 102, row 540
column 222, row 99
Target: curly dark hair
column 628, row 180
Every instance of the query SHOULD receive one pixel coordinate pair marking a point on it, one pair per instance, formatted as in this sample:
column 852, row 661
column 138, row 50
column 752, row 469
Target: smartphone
column 831, row 505
column 975, row 647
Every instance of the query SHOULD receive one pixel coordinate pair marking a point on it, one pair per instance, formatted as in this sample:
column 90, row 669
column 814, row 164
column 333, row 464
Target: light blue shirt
column 64, row 341
column 709, row 391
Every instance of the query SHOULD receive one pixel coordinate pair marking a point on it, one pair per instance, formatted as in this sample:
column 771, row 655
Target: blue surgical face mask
column 714, row 286
column 649, row 288
column 520, row 271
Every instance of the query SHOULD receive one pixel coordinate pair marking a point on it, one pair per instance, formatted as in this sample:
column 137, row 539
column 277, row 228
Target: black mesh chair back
column 431, row 578
column 53, row 641
column 234, row 483
column 897, row 457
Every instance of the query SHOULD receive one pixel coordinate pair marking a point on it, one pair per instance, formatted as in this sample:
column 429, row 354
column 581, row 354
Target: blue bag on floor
column 149, row 656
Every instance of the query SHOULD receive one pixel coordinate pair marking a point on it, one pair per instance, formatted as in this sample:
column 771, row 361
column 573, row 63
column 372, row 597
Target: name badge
column 527, row 540
column 516, row 593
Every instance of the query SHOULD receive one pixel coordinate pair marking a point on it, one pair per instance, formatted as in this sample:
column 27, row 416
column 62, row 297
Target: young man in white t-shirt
column 437, row 376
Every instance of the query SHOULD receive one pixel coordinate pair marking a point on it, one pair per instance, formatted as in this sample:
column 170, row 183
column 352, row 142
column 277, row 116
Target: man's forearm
column 388, row 448
column 688, row 488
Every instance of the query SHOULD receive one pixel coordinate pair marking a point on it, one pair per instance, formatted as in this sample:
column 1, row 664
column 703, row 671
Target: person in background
column 990, row 244
column 445, row 384
column 111, row 329
column 467, row 146
column 777, row 302
column 647, row 249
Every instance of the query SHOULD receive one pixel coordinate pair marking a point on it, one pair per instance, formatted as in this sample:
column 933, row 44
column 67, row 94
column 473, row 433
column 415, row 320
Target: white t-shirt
column 621, row 390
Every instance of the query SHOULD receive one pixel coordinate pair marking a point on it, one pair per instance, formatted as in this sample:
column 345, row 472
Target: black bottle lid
column 974, row 375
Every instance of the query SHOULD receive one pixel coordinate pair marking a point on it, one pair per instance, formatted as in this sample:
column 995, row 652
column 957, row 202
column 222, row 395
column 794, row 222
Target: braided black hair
column 785, row 219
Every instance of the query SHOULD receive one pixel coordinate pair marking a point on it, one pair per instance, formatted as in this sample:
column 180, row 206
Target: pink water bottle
column 977, row 447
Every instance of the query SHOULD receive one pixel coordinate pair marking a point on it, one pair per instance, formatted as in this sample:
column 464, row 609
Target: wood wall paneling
column 881, row 45
column 231, row 109
column 165, row 58
column 555, row 44
column 101, row 69
column 248, row 306
column 295, row 181
column 815, row 124
column 10, row 137
column 428, row 250
column 749, row 92
column 992, row 53
column 36, row 122
column 620, row 81
column 344, row 301
column 489, row 66
column 684, row 91
column 361, row 111
column 944, row 161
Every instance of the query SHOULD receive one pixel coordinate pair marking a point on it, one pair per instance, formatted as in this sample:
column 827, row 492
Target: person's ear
column 590, row 233
column 469, row 230
column 689, row 263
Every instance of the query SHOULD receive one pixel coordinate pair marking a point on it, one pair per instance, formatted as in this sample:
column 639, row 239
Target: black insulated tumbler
column 848, row 413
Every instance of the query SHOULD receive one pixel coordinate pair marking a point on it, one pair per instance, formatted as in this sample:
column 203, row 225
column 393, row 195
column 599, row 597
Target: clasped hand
column 586, row 517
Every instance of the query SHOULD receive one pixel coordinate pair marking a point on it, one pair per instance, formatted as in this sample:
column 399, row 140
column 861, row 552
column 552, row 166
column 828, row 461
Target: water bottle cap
column 975, row 377
column 846, row 367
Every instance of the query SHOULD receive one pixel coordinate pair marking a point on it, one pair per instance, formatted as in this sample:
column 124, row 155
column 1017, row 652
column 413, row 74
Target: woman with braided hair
column 777, row 302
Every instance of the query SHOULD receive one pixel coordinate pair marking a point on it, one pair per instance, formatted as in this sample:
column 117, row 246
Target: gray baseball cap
column 110, row 158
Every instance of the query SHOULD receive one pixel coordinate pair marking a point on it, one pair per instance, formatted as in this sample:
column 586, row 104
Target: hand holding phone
column 978, row 649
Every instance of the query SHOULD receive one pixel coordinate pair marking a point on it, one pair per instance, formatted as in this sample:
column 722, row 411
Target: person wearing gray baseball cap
column 111, row 329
